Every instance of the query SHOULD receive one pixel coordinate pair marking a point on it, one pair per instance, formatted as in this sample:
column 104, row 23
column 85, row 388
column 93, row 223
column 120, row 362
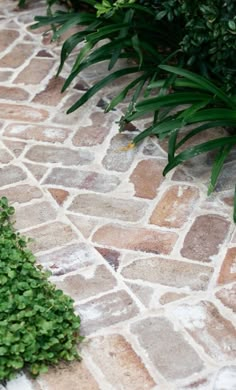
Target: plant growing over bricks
column 38, row 326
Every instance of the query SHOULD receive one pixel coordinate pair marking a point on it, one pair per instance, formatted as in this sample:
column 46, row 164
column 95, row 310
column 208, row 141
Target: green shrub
column 37, row 324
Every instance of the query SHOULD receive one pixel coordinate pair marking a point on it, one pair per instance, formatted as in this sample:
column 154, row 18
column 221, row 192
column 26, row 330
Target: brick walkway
column 151, row 263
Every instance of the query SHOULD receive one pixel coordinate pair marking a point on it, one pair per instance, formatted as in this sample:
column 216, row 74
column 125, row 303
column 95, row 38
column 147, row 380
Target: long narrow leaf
column 217, row 166
column 117, row 99
column 234, row 214
column 202, row 82
column 196, row 150
column 101, row 84
column 205, row 126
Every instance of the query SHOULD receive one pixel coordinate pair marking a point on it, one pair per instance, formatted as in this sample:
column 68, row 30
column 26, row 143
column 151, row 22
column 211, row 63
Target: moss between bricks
column 38, row 326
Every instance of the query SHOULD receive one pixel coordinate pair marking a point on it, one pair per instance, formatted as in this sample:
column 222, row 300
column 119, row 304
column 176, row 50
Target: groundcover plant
column 180, row 52
column 38, row 326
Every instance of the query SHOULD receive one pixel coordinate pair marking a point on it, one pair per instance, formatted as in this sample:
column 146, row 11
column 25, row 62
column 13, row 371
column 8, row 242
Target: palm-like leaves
column 206, row 105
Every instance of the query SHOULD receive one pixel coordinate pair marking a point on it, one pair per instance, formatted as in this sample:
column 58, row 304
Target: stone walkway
column 150, row 262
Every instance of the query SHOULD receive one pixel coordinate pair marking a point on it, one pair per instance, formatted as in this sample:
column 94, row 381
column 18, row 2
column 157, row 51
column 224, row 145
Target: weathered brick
column 170, row 353
column 73, row 376
column 169, row 272
column 21, row 193
column 205, row 236
column 7, row 37
column 228, row 297
column 85, row 225
column 126, row 369
column 143, row 293
column 50, row 236
column 101, row 206
column 17, row 56
column 35, row 72
column 105, row 311
column 59, row 195
column 90, row 282
column 171, row 296
column 5, row 75
column 38, row 171
column 11, row 174
column 209, row 329
column 117, row 159
column 53, row 154
column 15, row 147
column 35, row 214
column 228, row 269
column 147, row 177
column 90, row 135
column 51, row 95
column 13, row 93
column 36, row 132
column 77, row 256
column 111, row 256
column 138, row 239
column 82, row 180
column 22, row 113
column 175, row 206
column 5, row 156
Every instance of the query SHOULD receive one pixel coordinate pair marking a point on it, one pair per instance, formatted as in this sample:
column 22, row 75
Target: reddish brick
column 209, row 329
column 22, row 113
column 105, row 311
column 17, row 56
column 73, row 376
column 170, row 353
column 35, row 72
column 7, row 37
column 90, row 282
column 159, row 270
column 127, row 368
column 138, row 239
column 147, row 177
column 82, row 180
column 102, row 206
column 13, row 93
column 52, row 95
column 90, row 135
column 175, row 206
column 228, row 269
column 36, row 132
column 205, row 236
column 59, row 195
column 228, row 297
column 11, row 174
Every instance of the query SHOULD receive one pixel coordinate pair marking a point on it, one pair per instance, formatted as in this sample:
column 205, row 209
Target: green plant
column 200, row 103
column 37, row 324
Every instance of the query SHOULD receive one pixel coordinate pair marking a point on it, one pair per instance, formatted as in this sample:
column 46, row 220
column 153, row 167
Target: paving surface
column 150, row 262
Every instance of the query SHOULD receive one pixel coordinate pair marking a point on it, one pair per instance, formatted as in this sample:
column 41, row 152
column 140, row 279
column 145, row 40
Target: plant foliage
column 38, row 326
column 182, row 51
